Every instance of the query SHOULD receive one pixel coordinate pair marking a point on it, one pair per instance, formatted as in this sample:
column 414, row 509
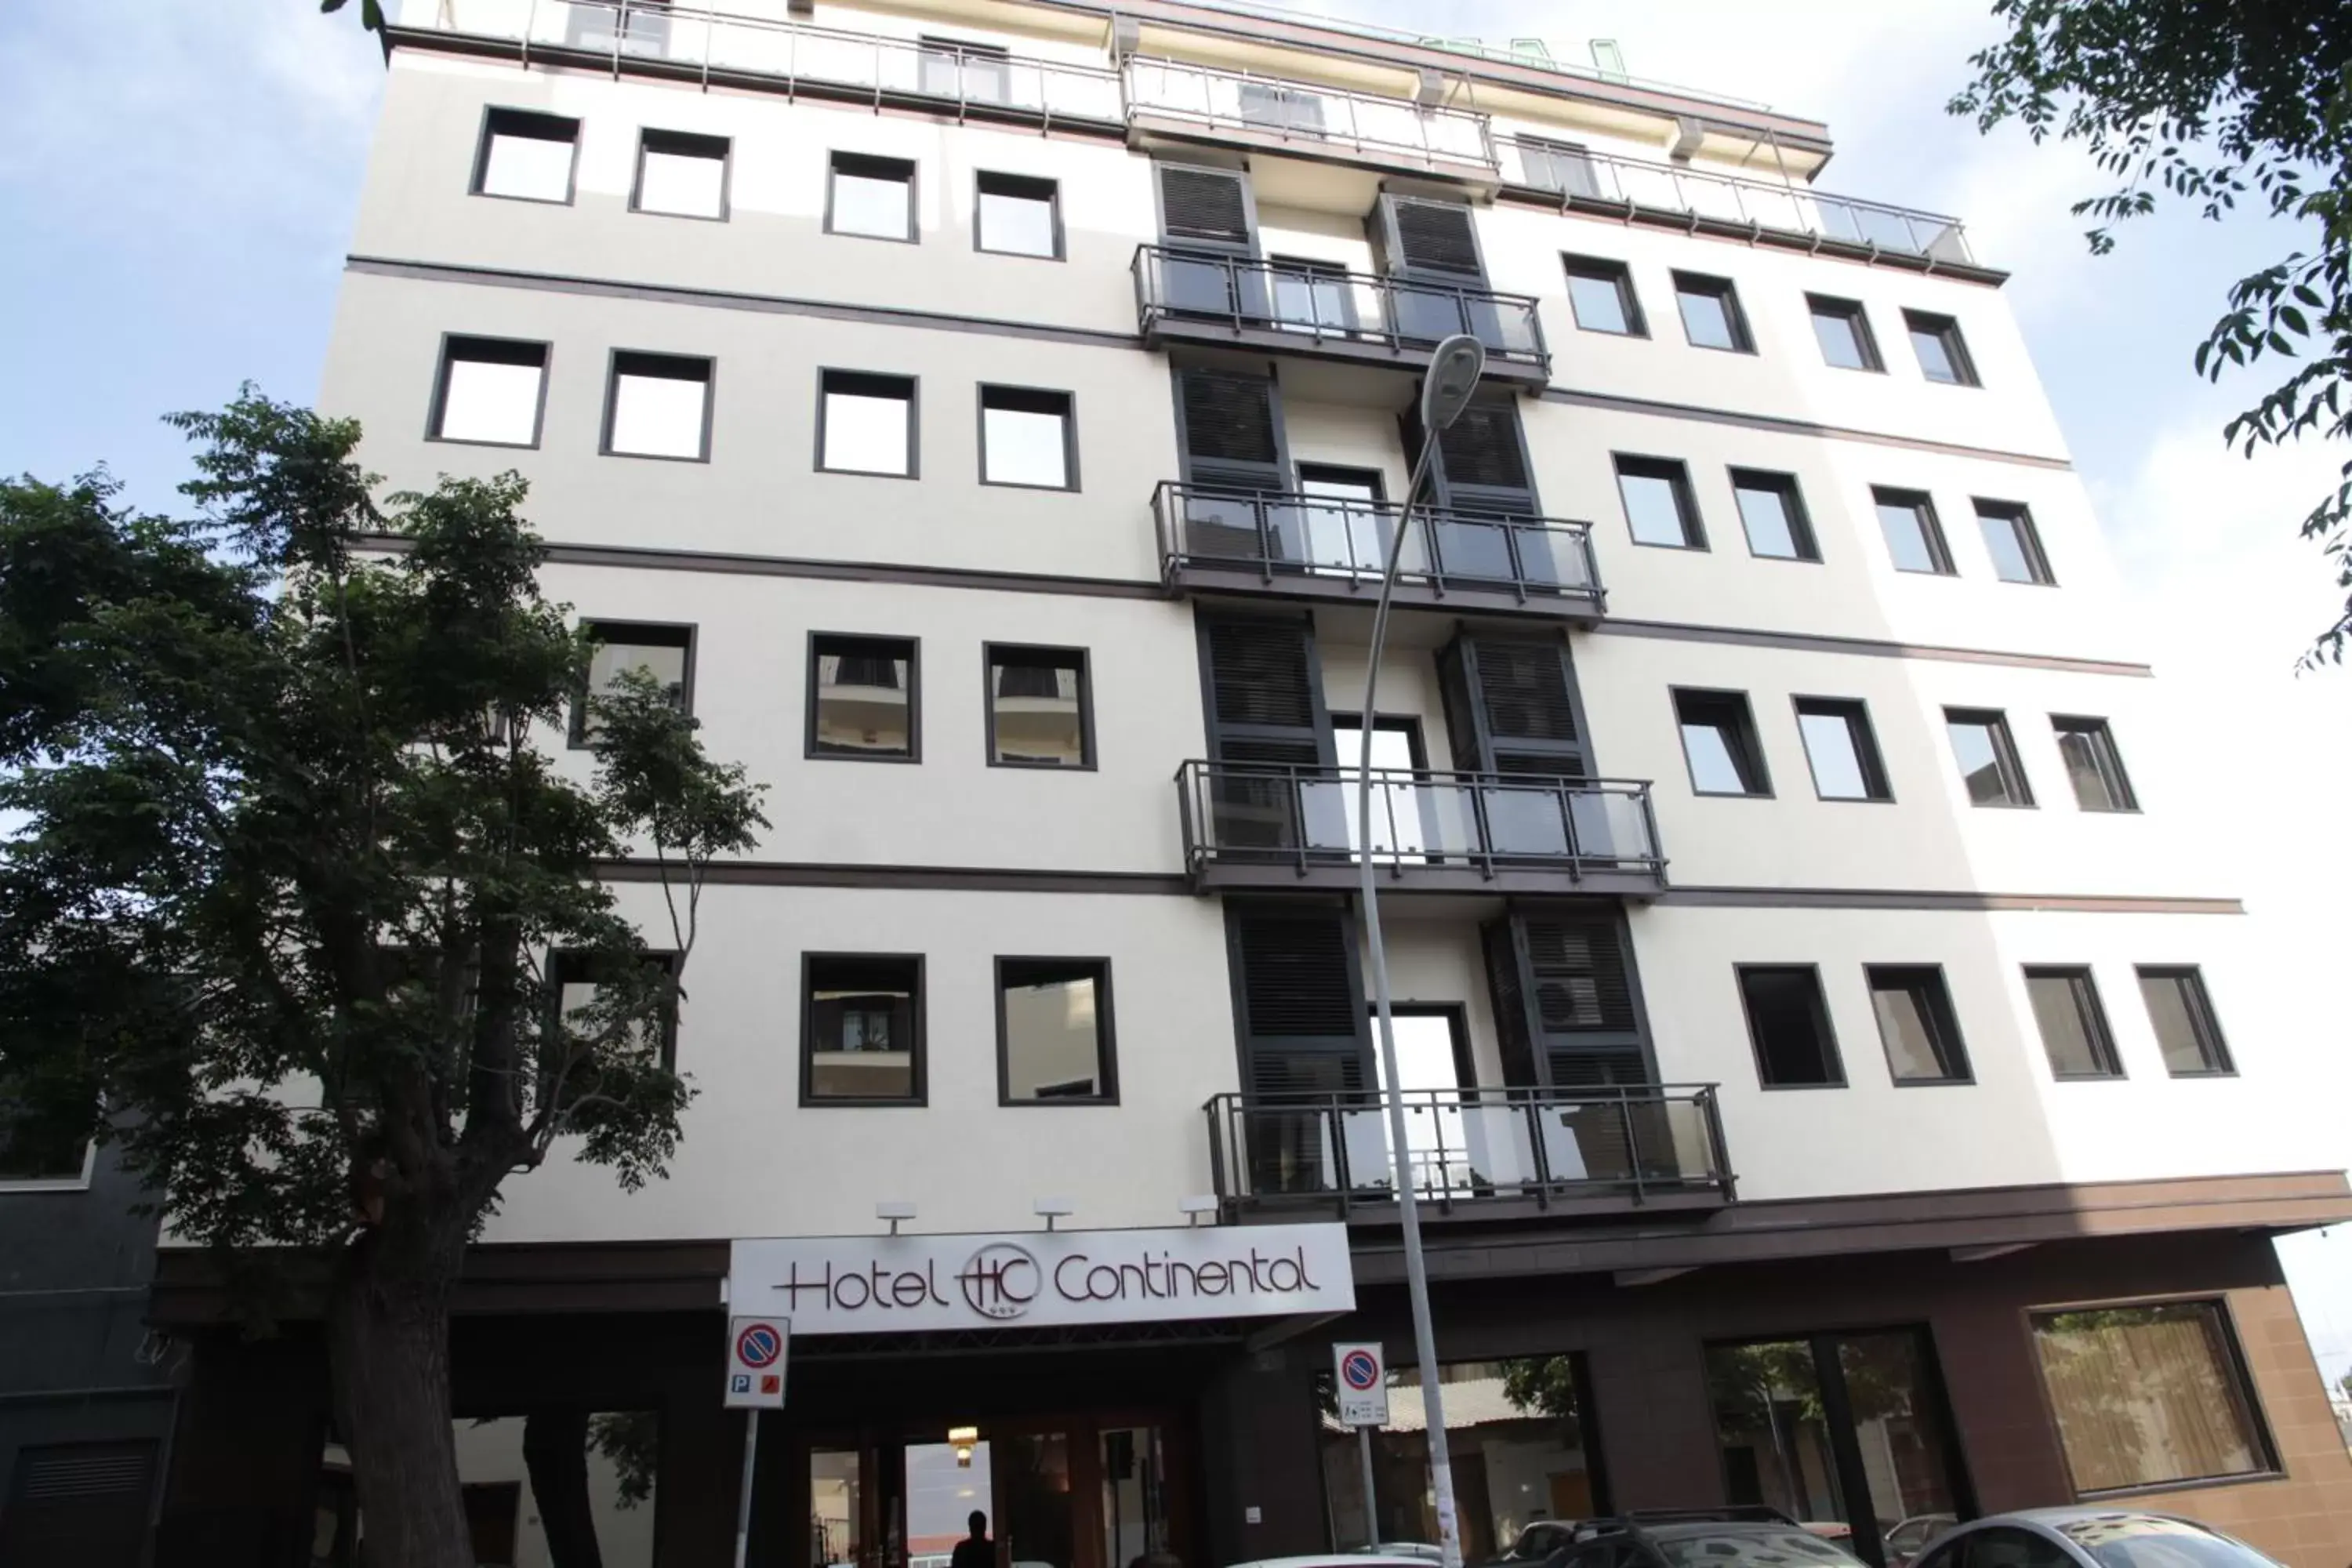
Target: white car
column 2088, row 1537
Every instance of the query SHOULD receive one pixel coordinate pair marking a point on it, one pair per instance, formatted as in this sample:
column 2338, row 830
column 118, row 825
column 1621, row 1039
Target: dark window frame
column 1617, row 273
column 613, row 373
column 919, row 1064
column 1752, row 739
column 875, row 162
column 1106, row 1034
column 576, row 731
column 2212, row 1045
column 1832, row 1055
column 914, row 385
column 1945, row 330
column 1922, row 505
column 1792, row 496
column 1868, row 755
column 1856, row 314
column 563, row 959
column 1726, row 291
column 2019, row 517
column 914, row 752
column 1069, row 417
column 2090, row 1010
column 1686, row 498
column 691, row 144
column 438, row 409
column 1943, row 1018
column 2113, row 774
column 491, row 115
column 980, row 178
column 1087, row 762
column 79, row 1181
column 2005, row 758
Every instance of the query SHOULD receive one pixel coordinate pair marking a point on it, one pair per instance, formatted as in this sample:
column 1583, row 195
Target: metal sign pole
column 1371, row 1510
column 743, row 1506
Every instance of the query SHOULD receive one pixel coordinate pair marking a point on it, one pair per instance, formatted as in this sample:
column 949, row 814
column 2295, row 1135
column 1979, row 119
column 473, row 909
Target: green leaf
column 372, row 14
column 329, row 7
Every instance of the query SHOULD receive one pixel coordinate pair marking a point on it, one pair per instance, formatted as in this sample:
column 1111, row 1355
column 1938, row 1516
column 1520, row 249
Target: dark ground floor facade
column 2164, row 1366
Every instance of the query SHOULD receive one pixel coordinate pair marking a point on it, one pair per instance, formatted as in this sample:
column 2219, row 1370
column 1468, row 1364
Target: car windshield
column 1537, row 1541
column 2145, row 1541
column 1754, row 1548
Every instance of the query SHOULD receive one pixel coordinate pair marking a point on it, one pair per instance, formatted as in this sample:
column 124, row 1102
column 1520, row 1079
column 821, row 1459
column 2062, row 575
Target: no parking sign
column 755, row 1362
column 1362, row 1384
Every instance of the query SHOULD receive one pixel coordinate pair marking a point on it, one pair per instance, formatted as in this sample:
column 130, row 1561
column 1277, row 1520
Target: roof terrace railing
column 1328, row 117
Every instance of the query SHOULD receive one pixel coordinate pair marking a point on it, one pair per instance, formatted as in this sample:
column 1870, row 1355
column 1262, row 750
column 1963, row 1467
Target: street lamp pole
column 1453, row 377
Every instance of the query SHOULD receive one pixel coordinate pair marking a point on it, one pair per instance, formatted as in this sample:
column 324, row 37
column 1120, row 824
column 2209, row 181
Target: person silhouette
column 976, row 1550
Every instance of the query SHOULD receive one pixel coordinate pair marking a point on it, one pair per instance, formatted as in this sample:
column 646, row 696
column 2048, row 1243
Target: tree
column 292, row 861
column 2216, row 103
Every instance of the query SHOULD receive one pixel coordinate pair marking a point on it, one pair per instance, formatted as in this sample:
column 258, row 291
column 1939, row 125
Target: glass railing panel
column 1609, row 824
column 1220, row 527
column 1525, row 821
column 1253, row 812
column 1290, row 1152
column 1775, row 207
column 1554, row 558
column 1685, row 1149
column 1497, row 1147
column 1473, row 549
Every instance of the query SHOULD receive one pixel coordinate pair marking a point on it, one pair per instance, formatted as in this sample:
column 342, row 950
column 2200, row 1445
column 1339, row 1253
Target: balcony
column 1705, row 201
column 1473, row 1153
column 1286, row 827
column 1181, row 98
column 1240, row 301
column 1288, row 545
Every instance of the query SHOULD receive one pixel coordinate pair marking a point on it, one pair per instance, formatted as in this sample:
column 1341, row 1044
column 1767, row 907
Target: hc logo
column 1000, row 1281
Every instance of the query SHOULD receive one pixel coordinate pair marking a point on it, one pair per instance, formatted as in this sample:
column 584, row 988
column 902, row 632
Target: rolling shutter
column 1298, row 980
column 1204, row 207
column 1515, row 1039
column 1481, row 448
column 1431, row 239
column 1262, row 677
column 78, row 1505
column 1579, row 969
column 1230, row 439
column 1518, row 698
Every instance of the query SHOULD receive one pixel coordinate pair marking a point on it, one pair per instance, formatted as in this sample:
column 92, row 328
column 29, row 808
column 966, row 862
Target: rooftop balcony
column 1288, row 545
column 1215, row 300
column 1173, row 96
column 1473, row 1153
column 1288, row 827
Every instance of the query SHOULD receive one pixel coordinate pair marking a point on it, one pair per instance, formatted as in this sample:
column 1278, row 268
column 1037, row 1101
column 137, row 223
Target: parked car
column 2089, row 1537
column 1679, row 1538
column 1905, row 1539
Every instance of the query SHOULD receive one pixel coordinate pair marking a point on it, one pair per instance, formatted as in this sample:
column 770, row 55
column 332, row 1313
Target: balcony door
column 1404, row 823
column 1344, row 530
column 1433, row 1069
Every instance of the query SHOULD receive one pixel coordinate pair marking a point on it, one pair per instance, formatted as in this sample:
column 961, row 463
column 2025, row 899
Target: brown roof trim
column 1619, row 403
column 1930, row 899
column 913, row 878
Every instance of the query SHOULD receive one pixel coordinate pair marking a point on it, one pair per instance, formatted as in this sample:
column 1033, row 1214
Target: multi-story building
column 1839, row 1072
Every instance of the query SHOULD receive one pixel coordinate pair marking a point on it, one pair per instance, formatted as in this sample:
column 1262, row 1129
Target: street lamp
column 1453, row 377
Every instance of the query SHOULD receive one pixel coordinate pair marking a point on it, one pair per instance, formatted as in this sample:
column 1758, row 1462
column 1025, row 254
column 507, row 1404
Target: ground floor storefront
column 2166, row 1367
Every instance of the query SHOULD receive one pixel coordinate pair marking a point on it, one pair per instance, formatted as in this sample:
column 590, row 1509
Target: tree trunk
column 556, row 1452
column 388, row 1353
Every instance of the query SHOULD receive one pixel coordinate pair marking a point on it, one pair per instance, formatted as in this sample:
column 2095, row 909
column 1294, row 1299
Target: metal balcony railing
column 1325, row 117
column 1332, row 545
column 1203, row 295
column 1302, row 817
column 1679, row 190
column 1642, row 1143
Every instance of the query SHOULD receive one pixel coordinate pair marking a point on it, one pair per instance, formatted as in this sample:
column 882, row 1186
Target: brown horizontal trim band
column 1618, row 403
column 909, row 878
column 1823, row 642
column 1910, row 898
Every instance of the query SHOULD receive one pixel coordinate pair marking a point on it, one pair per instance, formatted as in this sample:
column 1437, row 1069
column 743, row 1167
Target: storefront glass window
column 836, row 1477
column 2147, row 1395
column 1521, row 1452
column 1134, row 1495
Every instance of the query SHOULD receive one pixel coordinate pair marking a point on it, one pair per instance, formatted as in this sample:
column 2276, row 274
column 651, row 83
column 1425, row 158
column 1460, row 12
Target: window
column 1842, row 329
column 2012, row 543
column 1017, row 216
column 1711, row 314
column 1789, row 1027
column 2094, row 766
column 33, row 1153
column 527, row 156
column 1312, row 295
column 1719, row 744
column 663, row 652
column 861, row 1029
column 1052, row 1031
column 863, row 701
column 1943, row 355
column 1027, row 437
column 681, row 174
column 1562, row 166
column 2182, row 1014
column 1916, row 1023
column 572, row 984
column 2073, row 1025
column 1987, row 758
column 1773, row 513
column 866, row 423
column 1602, row 294
column 871, row 196
column 1841, row 749
column 658, row 406
column 2150, row 1395
column 1913, row 538
column 1658, row 505
column 1040, row 713
column 960, row 68
column 491, row 390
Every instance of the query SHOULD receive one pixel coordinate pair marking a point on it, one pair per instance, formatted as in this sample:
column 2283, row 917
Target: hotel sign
column 898, row 1284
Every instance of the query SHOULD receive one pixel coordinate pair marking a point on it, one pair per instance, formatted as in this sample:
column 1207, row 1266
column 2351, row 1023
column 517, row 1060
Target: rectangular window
column 1913, row 538
column 2073, row 1024
column 2185, row 1027
column 663, row 652
column 2094, row 766
column 1842, row 749
column 1943, row 355
column 1027, row 437
column 1916, row 1024
column 1987, row 756
column 527, row 156
column 1040, row 713
column 34, row 1154
column 870, row 196
column 1789, row 1026
column 863, row 701
column 1711, row 314
column 861, row 1029
column 573, row 985
column 1052, row 1031
column 1719, row 744
column 681, row 174
column 2150, row 1395
column 658, row 406
column 962, row 69
column 1017, row 216
column 1659, row 507
column 1772, row 513
column 2012, row 543
column 866, row 423
column 1842, row 329
column 491, row 390
column 1602, row 294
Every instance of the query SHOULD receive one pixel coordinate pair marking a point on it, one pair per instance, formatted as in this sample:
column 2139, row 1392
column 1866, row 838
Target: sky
column 178, row 181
